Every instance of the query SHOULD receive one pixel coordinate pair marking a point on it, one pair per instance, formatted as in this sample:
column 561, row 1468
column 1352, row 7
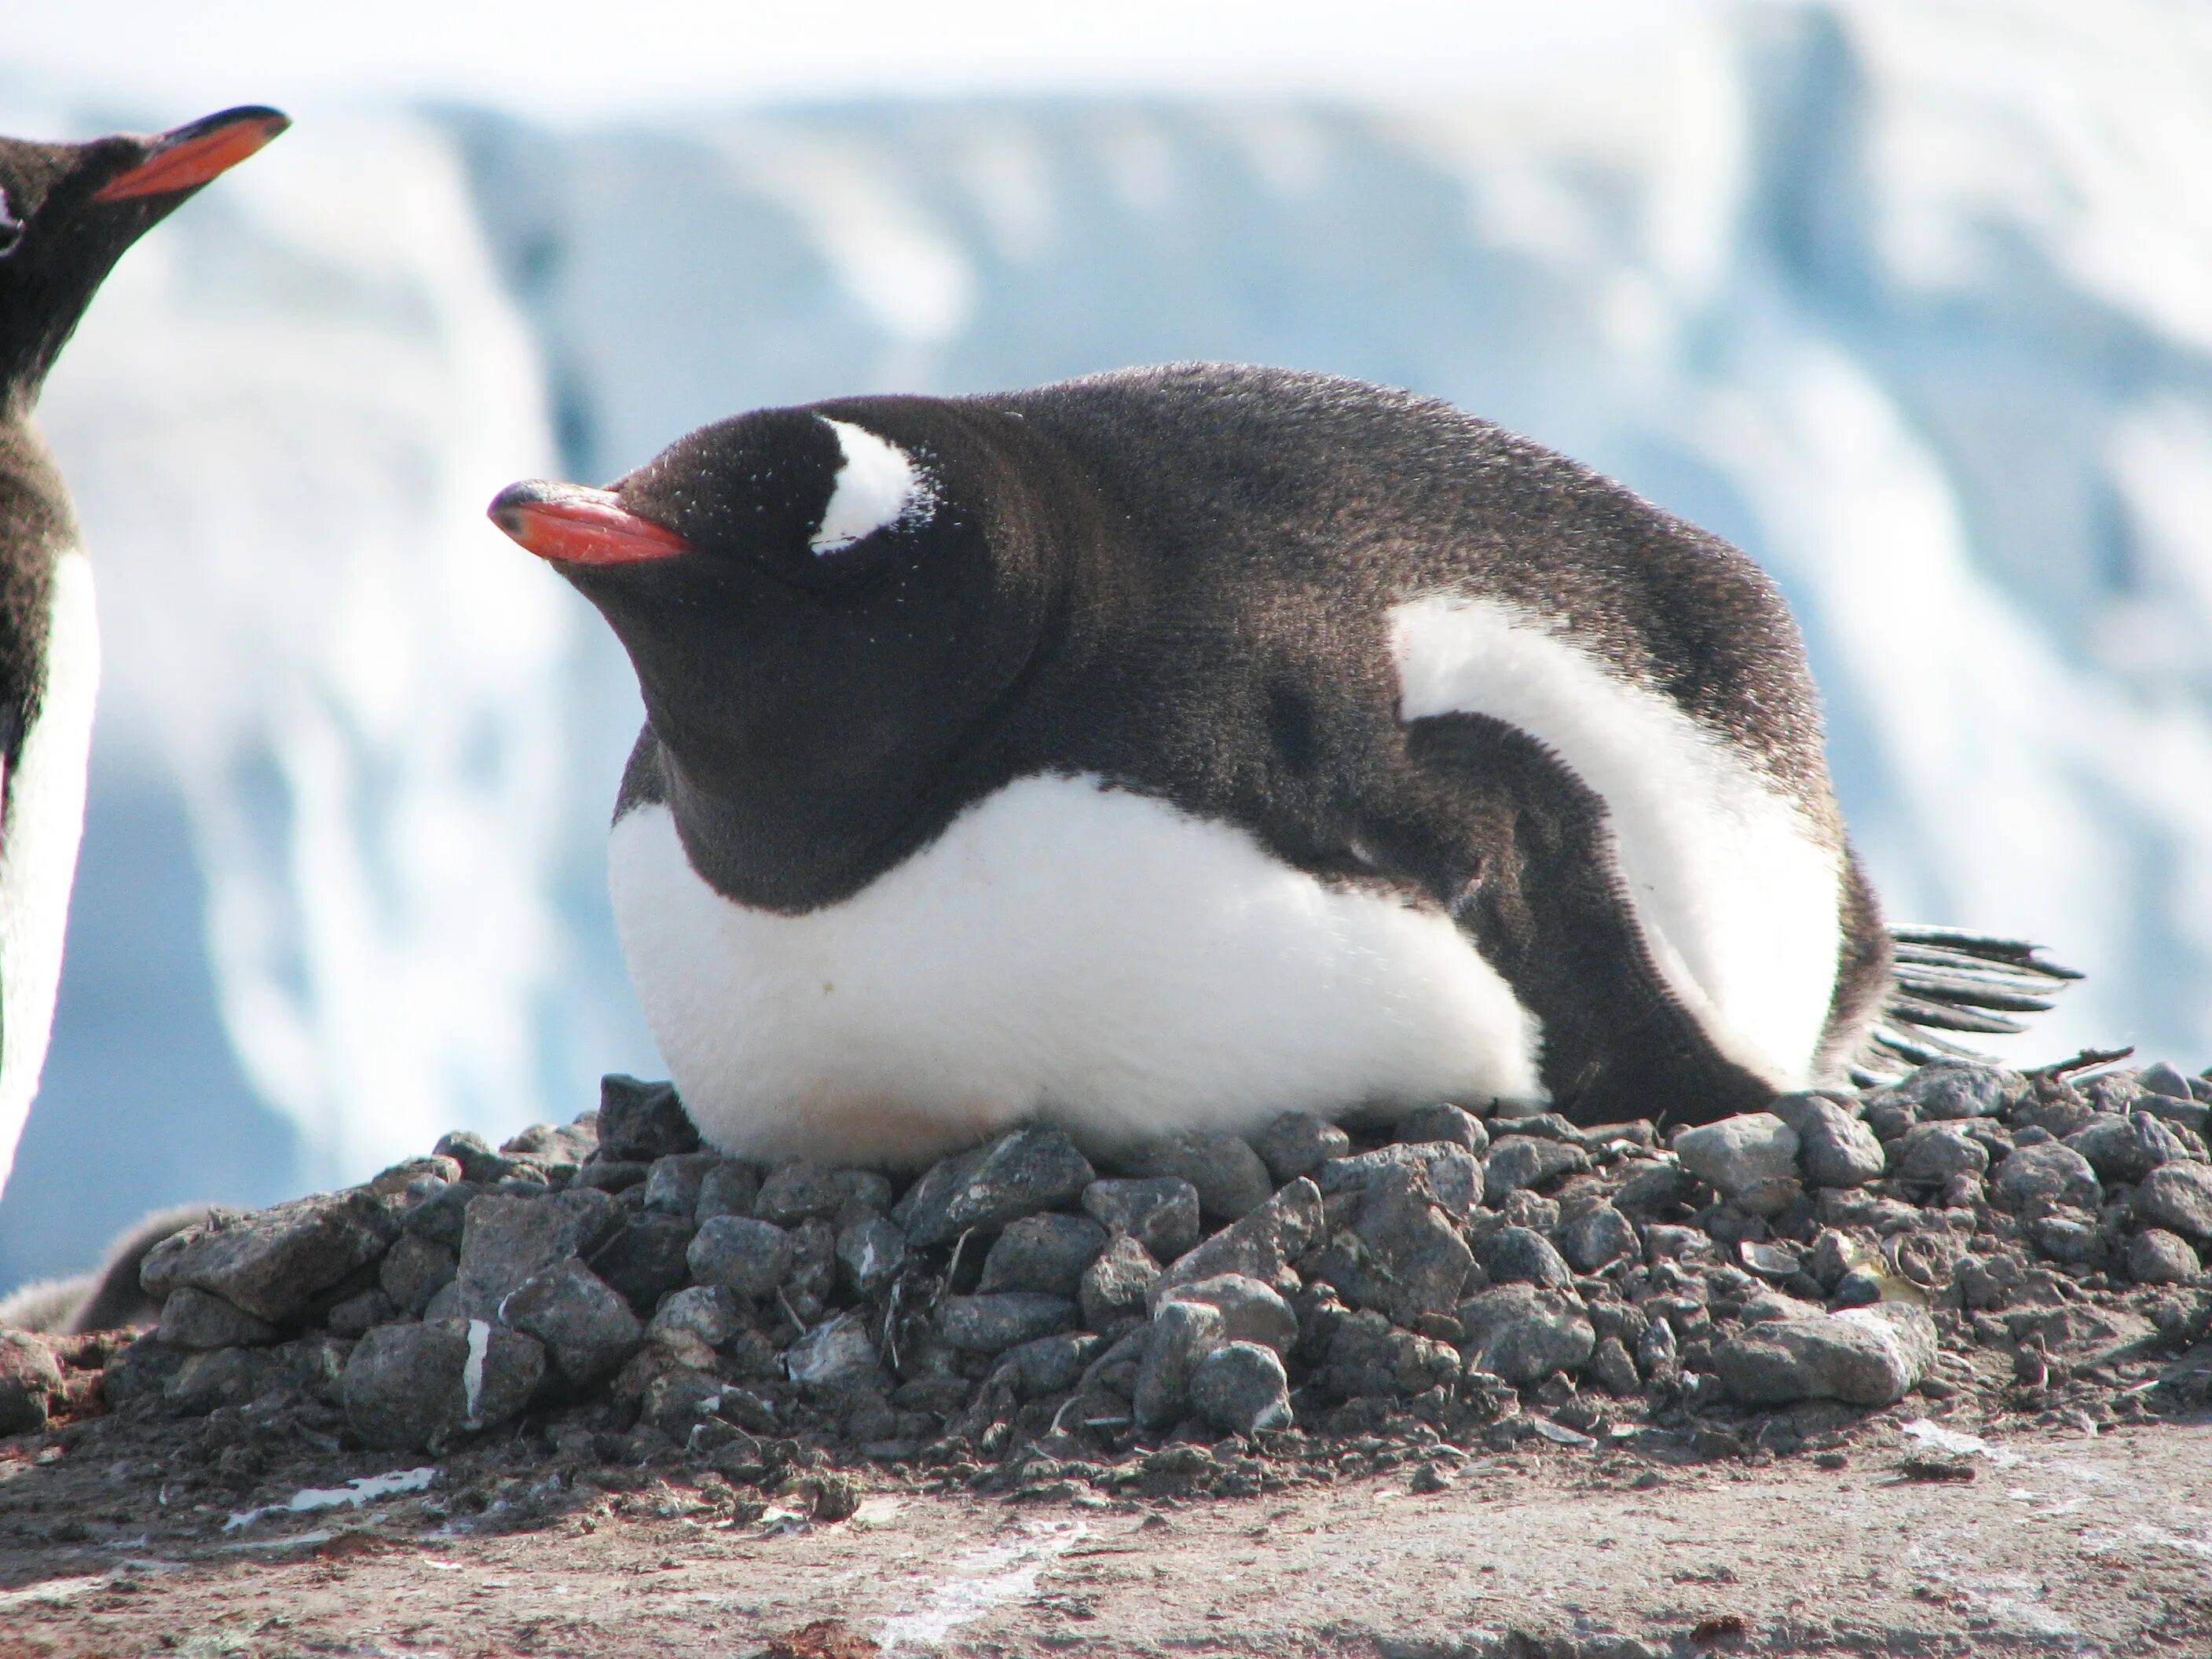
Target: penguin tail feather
column 1946, row 981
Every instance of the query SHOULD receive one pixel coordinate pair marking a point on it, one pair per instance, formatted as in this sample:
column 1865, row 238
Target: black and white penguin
column 1170, row 748
column 67, row 212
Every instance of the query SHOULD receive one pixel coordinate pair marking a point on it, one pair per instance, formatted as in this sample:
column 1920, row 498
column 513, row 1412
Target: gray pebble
column 413, row 1270
column 1931, row 1154
column 2164, row 1078
column 2066, row 1234
column 441, row 1214
column 359, row 1313
column 273, row 1262
column 583, row 1322
column 1414, row 1257
column 866, row 1192
column 870, row 1251
column 1961, row 1088
column 833, row 1356
column 1516, row 1161
column 417, row 1388
column 1658, row 1185
column 1592, row 1235
column 1367, row 1356
column 671, row 1184
column 1182, row 1334
column 1231, row 1179
column 1863, row 1357
column 796, row 1191
column 1298, row 1144
column 749, row 1257
column 1738, row 1153
column 31, row 1382
column 1453, row 1174
column 730, row 1188
column 710, row 1312
column 1262, row 1244
column 1031, row 1170
column 2034, row 1177
column 1047, row 1364
column 641, row 1121
column 992, row 1324
column 2179, row 1198
column 1240, row 1388
column 227, row 1377
column 2126, row 1147
column 1520, row 1255
column 1442, row 1121
column 1161, row 1213
column 474, row 1154
column 1525, row 1334
column 196, row 1319
column 1250, row 1311
column 1613, row 1369
column 618, row 1177
column 508, row 1239
column 2157, row 1256
column 1116, row 1284
column 647, row 1256
column 1043, row 1253
column 1834, row 1147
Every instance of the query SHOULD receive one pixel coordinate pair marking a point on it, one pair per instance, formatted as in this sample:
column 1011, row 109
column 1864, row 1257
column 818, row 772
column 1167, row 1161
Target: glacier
column 1912, row 302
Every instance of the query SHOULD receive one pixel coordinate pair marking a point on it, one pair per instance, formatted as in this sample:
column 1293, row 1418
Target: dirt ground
column 1911, row 1540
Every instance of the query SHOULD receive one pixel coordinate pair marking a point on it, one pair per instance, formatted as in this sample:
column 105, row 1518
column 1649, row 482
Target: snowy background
column 1913, row 300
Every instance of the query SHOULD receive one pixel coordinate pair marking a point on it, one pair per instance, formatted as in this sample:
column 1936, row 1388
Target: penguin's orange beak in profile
column 193, row 154
column 572, row 524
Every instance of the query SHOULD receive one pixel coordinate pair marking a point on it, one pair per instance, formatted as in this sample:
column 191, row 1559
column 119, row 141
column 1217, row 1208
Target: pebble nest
column 1205, row 1312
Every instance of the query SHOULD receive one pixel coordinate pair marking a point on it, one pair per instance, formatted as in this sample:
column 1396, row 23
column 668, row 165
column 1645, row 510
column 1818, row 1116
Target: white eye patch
column 877, row 486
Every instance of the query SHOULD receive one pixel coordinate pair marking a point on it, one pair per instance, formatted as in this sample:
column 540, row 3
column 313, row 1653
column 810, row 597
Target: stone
column 1415, row 1258
column 1525, row 1334
column 142, row 1372
column 1115, row 1285
column 1442, row 1121
column 413, row 1270
column 746, row 1256
column 1161, row 1213
column 586, row 1326
column 1527, row 1209
column 924, row 1213
column 418, row 1387
column 1182, row 1334
column 225, row 1376
column 992, row 1324
column 867, row 1191
column 616, row 1177
column 1262, row 1245
column 1453, row 1173
column 641, row 1121
column 1241, row 1387
column 1517, row 1161
column 413, row 1179
column 2177, row 1197
column 1613, row 1369
column 1231, row 1179
column 273, row 1262
column 1043, row 1253
column 472, row 1154
column 1658, row 1185
column 2162, row 1077
column 1739, row 1153
column 870, row 1251
column 2126, row 1147
column 646, row 1257
column 833, row 1357
column 2194, row 1116
column 441, row 1215
column 1299, row 1143
column 2157, row 1256
column 1522, row 1255
column 1047, row 1364
column 1931, row 1154
column 671, row 1183
column 796, row 1191
column 508, row 1239
column 1031, row 1170
column 730, row 1188
column 1864, row 1357
column 1366, row 1356
column 551, row 1145
column 1835, row 1148
column 710, row 1312
column 2037, row 1177
column 2067, row 1235
column 1250, row 1311
column 1949, row 1090
column 359, row 1313
column 1592, row 1235
column 194, row 1319
column 31, row 1383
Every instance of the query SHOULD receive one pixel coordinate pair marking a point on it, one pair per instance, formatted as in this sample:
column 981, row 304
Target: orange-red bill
column 574, row 524
column 192, row 154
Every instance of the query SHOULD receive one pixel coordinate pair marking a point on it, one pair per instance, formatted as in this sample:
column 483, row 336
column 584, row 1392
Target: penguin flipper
column 1946, row 979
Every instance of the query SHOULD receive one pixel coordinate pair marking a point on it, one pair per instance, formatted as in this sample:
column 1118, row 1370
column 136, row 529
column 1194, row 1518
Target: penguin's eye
column 11, row 228
column 878, row 485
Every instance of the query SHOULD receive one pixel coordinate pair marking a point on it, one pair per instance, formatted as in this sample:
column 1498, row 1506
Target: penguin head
column 822, row 603
column 68, row 211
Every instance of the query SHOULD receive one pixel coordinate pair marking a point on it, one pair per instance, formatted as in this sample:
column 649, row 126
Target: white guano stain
column 982, row 1582
column 363, row 1489
column 472, row 1373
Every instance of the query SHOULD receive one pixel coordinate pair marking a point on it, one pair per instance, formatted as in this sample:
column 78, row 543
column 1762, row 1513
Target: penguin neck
column 36, row 527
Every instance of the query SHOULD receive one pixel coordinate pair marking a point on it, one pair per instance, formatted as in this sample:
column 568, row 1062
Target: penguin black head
column 823, row 605
column 68, row 211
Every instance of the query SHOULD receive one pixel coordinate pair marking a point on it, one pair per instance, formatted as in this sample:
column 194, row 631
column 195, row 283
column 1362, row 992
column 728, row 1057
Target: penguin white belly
column 38, row 843
column 1065, row 950
column 1736, row 899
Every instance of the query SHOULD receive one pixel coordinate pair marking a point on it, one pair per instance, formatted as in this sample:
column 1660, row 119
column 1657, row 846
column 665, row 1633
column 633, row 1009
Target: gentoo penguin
column 67, row 212
column 108, row 1298
column 1169, row 748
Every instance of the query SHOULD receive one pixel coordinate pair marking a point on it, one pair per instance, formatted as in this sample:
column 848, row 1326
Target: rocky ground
column 604, row 1341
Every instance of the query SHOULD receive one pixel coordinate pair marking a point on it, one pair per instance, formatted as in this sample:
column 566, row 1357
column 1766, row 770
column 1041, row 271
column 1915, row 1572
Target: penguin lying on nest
column 67, row 213
column 1172, row 748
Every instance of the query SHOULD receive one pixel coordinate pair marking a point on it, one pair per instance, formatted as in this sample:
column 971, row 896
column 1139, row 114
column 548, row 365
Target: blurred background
column 1912, row 299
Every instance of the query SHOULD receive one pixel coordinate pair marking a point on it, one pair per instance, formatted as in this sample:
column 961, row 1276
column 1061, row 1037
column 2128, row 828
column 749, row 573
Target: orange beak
column 197, row 152
column 574, row 525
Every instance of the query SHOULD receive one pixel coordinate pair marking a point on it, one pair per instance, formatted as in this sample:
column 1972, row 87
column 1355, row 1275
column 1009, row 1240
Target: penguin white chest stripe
column 877, row 486
column 1063, row 948
column 38, row 843
column 1736, row 899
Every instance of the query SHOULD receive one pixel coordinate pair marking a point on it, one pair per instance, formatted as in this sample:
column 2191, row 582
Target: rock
column 587, row 1327
column 508, row 1239
column 2066, row 1234
column 1049, row 1365
column 1034, row 1168
column 2177, row 1197
column 992, row 1324
column 1043, row 1253
column 1738, row 1154
column 225, row 1376
column 2035, row 1177
column 712, row 1313
column 647, row 1257
column 1931, row 1154
column 359, row 1313
column 273, row 1262
column 615, row 1177
column 1657, row 1185
column 2157, row 1256
column 746, row 1256
column 1116, row 1284
column 551, row 1145
column 413, row 1270
column 2126, row 1147
column 833, row 1356
column 1453, row 1174
column 1231, row 1179
column 414, row 1179
column 195, row 1320
column 1442, row 1121
column 796, row 1191
column 1613, row 1370
column 1241, row 1387
column 417, row 1388
column 31, row 1383
column 1262, row 1245
column 142, row 1372
column 1416, row 1258
column 870, row 1254
column 1298, row 1144
column 1864, row 1357
column 442, row 1215
column 1250, row 1311
column 1520, row 1255
column 1525, row 1334
column 1516, row 1161
column 728, row 1187
column 1161, row 1213
column 1366, row 1356
column 641, row 1121
column 472, row 1154
column 1834, row 1147
column 1949, row 1090
column 1182, row 1334
column 924, row 1213
column 1592, row 1235
column 672, row 1183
